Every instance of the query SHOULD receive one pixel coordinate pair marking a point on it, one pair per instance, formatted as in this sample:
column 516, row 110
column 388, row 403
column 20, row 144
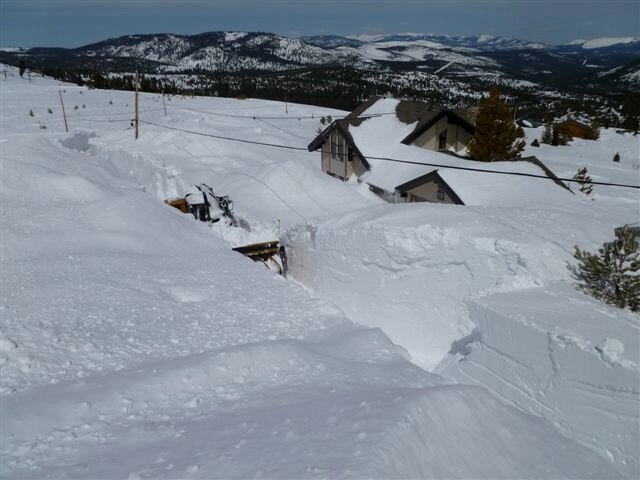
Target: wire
column 313, row 116
column 281, row 129
column 91, row 120
column 113, row 114
column 240, row 140
column 395, row 160
column 271, row 190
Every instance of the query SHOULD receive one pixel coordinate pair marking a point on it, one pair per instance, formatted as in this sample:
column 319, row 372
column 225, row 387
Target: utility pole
column 64, row 115
column 164, row 104
column 286, row 105
column 137, row 78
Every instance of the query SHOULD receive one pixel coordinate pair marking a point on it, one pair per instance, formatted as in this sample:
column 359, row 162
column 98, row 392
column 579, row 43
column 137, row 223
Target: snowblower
column 208, row 207
column 205, row 205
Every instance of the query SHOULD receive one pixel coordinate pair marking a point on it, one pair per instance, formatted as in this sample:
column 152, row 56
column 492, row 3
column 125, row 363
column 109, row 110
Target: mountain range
column 449, row 55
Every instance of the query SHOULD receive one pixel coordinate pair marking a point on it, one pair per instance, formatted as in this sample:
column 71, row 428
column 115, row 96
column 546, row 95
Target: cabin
column 366, row 144
column 421, row 126
column 575, row 129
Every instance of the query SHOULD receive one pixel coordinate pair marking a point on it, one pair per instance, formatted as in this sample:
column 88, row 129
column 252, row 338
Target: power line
column 92, row 120
column 390, row 159
column 313, row 116
column 271, row 190
column 221, row 137
column 281, row 129
column 113, row 114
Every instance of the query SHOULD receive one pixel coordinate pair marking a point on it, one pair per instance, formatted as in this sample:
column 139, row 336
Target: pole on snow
column 164, row 104
column 136, row 120
column 64, row 115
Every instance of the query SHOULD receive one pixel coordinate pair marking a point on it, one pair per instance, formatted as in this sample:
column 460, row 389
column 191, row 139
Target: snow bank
column 442, row 279
column 409, row 268
column 575, row 362
column 282, row 409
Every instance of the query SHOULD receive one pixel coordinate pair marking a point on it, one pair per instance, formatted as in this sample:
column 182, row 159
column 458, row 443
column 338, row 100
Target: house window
column 337, row 147
column 442, row 141
column 440, row 195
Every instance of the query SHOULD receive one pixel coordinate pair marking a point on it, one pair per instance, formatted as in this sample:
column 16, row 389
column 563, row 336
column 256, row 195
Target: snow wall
column 418, row 273
column 409, row 269
column 573, row 362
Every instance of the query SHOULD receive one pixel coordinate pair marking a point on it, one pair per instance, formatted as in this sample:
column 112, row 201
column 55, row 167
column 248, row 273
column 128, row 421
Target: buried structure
column 407, row 152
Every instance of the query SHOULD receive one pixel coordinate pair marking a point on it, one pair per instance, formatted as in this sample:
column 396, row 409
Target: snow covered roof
column 475, row 188
column 413, row 118
column 382, row 128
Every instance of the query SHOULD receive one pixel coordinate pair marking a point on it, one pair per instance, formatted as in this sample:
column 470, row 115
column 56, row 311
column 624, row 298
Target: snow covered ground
column 136, row 344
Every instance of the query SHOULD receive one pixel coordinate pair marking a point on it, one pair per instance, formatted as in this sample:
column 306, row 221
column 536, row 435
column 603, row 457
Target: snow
column 607, row 42
column 381, row 137
column 576, row 363
column 233, row 36
column 136, row 344
column 632, row 77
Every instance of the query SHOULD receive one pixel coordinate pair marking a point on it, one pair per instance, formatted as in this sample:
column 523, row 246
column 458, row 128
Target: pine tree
column 613, row 275
column 593, row 132
column 547, row 135
column 558, row 136
column 584, row 180
column 497, row 137
column 22, row 66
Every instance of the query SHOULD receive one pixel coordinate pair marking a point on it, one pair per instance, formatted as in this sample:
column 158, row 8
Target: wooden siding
column 457, row 137
column 340, row 168
column 428, row 192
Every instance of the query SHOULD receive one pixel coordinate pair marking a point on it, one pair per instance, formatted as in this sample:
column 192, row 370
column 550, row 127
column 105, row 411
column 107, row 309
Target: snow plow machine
column 208, row 207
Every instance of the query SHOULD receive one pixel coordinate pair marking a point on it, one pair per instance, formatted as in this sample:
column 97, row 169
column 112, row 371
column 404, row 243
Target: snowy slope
column 136, row 344
column 576, row 362
column 605, row 42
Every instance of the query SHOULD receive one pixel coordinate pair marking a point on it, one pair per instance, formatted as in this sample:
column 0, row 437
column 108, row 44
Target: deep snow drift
column 136, row 344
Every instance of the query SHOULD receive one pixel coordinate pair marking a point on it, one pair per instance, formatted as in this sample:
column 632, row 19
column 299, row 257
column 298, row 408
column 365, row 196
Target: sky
column 73, row 23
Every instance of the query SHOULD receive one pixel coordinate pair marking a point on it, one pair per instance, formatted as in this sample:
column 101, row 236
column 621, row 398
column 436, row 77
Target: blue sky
column 72, row 23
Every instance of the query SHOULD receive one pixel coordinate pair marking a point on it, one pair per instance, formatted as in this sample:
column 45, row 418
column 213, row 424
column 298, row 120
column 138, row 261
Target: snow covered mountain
column 246, row 51
column 340, row 71
column 606, row 42
column 215, row 51
column 476, row 42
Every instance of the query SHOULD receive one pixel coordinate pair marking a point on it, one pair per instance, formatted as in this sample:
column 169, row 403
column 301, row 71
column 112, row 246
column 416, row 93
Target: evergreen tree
column 22, row 66
column 558, row 136
column 584, row 180
column 547, row 135
column 612, row 275
column 593, row 132
column 497, row 137
column 631, row 123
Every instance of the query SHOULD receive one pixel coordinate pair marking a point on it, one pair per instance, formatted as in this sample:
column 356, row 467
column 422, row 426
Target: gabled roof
column 455, row 117
column 341, row 126
column 429, row 177
column 417, row 116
